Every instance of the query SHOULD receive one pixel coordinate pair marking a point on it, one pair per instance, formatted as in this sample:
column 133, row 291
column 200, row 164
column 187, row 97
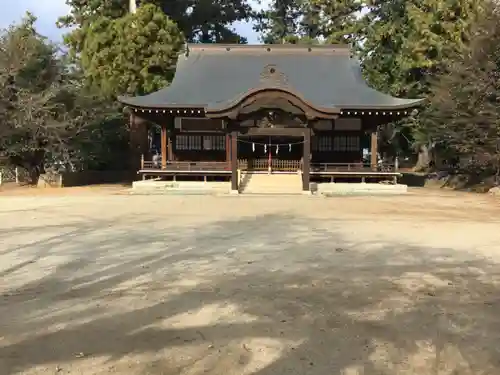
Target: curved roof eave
column 288, row 91
column 143, row 102
column 397, row 104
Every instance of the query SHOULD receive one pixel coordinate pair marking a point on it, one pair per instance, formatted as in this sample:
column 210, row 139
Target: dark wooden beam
column 234, row 161
column 306, row 160
column 298, row 132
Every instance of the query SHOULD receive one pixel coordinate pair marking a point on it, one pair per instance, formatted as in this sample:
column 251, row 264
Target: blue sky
column 48, row 11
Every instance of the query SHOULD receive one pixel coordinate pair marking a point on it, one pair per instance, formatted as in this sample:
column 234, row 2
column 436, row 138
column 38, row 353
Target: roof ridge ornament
column 272, row 76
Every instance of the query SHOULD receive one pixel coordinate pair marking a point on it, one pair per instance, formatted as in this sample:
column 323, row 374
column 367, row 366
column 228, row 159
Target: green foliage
column 118, row 54
column 83, row 14
column 309, row 22
column 206, row 21
column 42, row 109
column 334, row 21
column 279, row 23
column 104, row 143
column 406, row 43
column 464, row 115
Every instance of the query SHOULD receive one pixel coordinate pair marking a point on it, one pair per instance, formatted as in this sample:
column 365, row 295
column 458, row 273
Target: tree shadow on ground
column 263, row 295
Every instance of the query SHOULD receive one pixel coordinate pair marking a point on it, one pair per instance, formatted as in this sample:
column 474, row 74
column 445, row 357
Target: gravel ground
column 102, row 283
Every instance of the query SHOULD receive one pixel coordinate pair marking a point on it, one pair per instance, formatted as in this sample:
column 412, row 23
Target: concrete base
column 234, row 192
column 359, row 189
column 180, row 187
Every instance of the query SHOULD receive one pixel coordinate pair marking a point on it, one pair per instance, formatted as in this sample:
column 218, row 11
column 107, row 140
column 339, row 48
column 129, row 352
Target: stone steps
column 263, row 183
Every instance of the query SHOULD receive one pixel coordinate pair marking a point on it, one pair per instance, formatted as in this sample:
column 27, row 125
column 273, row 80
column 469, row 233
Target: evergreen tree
column 405, row 43
column 206, row 21
column 309, row 21
column 280, row 22
column 464, row 114
column 117, row 54
column 332, row 21
column 203, row 21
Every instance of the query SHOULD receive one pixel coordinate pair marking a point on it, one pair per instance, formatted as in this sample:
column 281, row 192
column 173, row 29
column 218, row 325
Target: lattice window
column 353, row 143
column 325, row 144
column 346, row 143
column 195, row 142
column 182, row 142
column 339, row 143
column 188, row 142
column 214, row 142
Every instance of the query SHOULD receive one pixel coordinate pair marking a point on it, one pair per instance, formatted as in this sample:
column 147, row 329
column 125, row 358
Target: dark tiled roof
column 215, row 76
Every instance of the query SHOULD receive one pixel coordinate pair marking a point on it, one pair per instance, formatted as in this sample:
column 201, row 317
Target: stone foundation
column 180, row 187
column 358, row 189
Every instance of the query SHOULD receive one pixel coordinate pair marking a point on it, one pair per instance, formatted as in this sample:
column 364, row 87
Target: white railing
column 263, row 165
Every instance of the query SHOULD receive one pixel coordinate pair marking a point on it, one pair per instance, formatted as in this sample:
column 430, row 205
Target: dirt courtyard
column 105, row 283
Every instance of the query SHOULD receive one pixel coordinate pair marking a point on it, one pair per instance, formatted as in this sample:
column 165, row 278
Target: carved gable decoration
column 271, row 101
column 272, row 76
column 265, row 122
column 278, row 119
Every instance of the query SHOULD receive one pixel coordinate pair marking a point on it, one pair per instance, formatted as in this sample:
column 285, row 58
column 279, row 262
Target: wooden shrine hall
column 270, row 109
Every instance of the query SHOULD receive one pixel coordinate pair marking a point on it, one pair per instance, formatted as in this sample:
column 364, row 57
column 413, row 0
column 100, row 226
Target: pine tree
column 310, row 21
column 333, row 21
column 280, row 23
column 205, row 21
column 117, row 54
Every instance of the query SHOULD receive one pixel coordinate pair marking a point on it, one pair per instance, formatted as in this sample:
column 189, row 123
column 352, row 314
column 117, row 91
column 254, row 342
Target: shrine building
column 236, row 111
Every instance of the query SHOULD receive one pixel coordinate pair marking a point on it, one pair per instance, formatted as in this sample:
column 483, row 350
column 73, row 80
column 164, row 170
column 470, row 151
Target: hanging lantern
column 253, row 147
column 289, row 147
column 277, row 149
column 265, row 149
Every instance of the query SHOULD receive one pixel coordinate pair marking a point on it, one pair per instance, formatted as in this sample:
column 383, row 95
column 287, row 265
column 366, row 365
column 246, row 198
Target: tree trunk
column 34, row 173
column 132, row 6
column 424, row 158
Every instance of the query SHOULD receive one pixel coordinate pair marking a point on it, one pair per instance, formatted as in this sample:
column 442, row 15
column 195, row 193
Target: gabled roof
column 215, row 77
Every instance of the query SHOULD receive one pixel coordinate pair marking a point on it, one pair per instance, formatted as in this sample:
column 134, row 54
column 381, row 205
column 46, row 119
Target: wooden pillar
column 374, row 150
column 170, row 138
column 234, row 161
column 170, row 148
column 228, row 149
column 163, row 146
column 306, row 157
